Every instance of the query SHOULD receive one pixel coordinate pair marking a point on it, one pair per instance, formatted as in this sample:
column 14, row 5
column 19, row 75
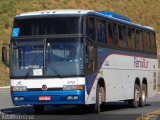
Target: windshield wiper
column 52, row 67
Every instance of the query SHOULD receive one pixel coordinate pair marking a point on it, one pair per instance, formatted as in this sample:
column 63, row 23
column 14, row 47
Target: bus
column 81, row 57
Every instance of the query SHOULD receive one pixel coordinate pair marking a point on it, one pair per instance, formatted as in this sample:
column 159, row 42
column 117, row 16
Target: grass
column 4, row 79
column 145, row 12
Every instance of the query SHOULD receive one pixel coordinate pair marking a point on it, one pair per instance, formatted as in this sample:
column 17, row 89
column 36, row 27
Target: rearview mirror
column 4, row 54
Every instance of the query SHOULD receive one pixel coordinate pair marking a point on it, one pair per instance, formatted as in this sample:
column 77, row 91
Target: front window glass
column 64, row 57
column 47, row 26
column 27, row 58
column 58, row 57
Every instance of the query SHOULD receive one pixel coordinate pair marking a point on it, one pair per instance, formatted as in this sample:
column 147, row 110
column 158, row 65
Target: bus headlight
column 72, row 87
column 18, row 88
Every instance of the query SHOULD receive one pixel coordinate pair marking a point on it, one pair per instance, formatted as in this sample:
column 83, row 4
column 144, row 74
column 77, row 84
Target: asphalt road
column 112, row 111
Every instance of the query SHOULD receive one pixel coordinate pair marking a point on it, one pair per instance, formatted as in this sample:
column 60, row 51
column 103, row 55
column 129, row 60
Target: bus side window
column 115, row 34
column 120, row 41
column 101, row 31
column 98, row 30
column 146, row 41
column 131, row 38
column 153, row 42
column 122, row 36
column 110, row 34
column 139, row 45
column 90, row 28
column 91, row 58
column 106, row 25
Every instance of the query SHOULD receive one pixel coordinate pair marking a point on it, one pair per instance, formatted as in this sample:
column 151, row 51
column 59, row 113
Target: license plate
column 44, row 98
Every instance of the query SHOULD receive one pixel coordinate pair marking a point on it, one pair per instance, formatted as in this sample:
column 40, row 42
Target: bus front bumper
column 68, row 97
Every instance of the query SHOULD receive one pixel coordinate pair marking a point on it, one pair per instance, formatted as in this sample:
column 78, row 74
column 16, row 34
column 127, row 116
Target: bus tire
column 39, row 109
column 143, row 96
column 97, row 106
column 136, row 100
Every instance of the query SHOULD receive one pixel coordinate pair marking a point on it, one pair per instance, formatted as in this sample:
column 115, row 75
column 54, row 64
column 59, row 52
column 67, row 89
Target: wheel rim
column 137, row 95
column 143, row 96
column 100, row 97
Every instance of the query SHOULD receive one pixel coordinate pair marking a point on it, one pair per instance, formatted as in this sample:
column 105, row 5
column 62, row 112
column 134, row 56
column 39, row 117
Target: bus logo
column 44, row 87
column 140, row 63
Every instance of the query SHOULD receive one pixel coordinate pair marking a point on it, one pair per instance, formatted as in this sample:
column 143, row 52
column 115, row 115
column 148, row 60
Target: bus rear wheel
column 143, row 95
column 39, row 109
column 136, row 100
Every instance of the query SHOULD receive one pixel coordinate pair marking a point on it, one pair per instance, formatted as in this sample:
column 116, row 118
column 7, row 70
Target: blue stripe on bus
column 57, row 97
column 103, row 53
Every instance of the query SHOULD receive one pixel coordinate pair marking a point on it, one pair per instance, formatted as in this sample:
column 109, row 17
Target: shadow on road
column 112, row 106
column 66, row 110
column 18, row 110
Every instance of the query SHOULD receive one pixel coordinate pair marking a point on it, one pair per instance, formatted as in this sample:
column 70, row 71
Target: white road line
column 4, row 91
column 4, row 87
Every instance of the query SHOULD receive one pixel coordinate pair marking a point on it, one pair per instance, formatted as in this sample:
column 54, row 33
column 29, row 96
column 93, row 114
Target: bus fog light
column 18, row 98
column 69, row 98
column 21, row 98
column 75, row 97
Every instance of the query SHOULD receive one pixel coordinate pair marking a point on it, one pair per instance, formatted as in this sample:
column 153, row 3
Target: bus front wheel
column 39, row 109
column 97, row 106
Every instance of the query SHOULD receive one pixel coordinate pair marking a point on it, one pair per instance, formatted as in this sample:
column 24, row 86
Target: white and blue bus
column 81, row 57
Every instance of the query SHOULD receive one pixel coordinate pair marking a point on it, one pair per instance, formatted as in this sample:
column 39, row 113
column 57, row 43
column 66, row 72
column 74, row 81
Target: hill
column 145, row 12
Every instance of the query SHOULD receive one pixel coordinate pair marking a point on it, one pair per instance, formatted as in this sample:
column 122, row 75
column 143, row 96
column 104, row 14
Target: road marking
column 5, row 90
column 3, row 87
column 149, row 115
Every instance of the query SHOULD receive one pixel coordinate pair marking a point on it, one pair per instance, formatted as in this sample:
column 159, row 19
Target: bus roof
column 119, row 18
column 106, row 14
column 55, row 12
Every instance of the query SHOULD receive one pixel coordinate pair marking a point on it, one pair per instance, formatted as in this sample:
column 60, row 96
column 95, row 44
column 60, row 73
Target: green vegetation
column 145, row 12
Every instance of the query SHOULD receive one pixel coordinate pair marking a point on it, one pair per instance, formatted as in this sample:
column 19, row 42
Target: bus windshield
column 58, row 57
column 64, row 57
column 46, row 26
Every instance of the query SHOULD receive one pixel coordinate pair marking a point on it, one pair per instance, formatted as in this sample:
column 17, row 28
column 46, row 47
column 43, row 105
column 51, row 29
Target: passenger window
column 131, row 38
column 115, row 34
column 90, row 28
column 139, row 45
column 153, row 43
column 146, row 41
column 110, row 34
column 91, row 58
column 122, row 36
column 101, row 31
